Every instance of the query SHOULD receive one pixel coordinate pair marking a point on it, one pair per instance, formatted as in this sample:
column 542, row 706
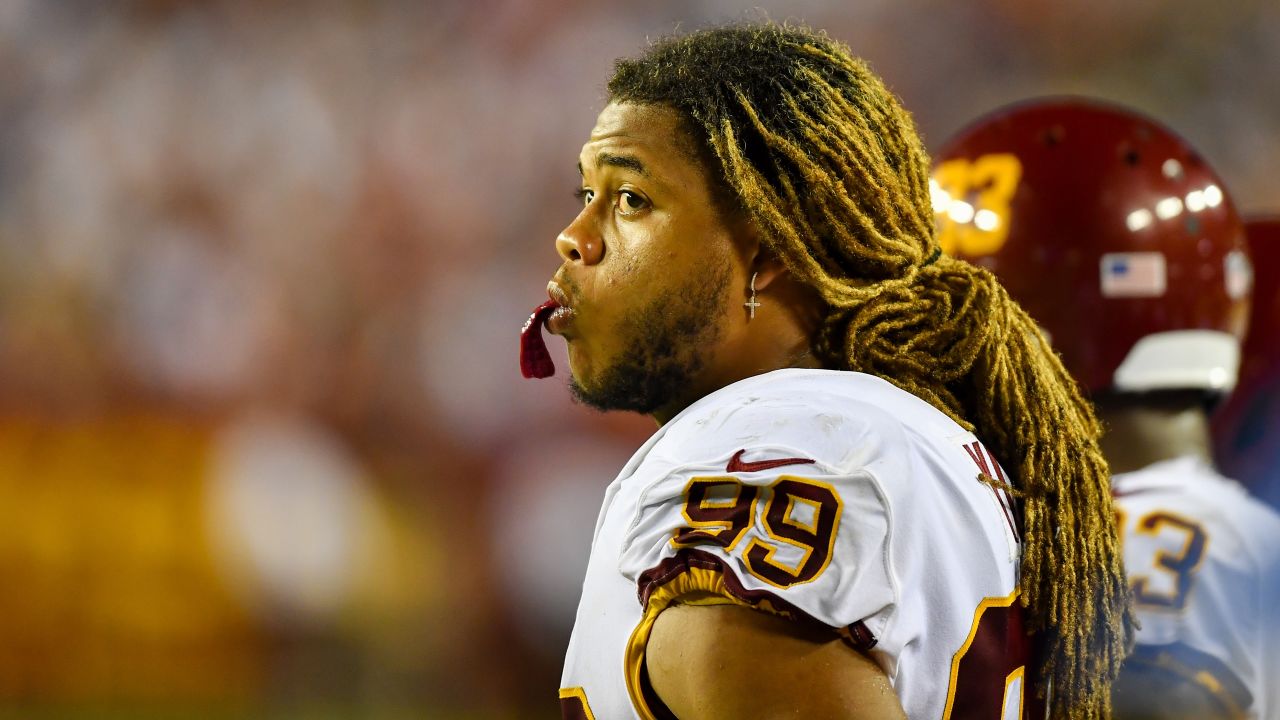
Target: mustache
column 569, row 289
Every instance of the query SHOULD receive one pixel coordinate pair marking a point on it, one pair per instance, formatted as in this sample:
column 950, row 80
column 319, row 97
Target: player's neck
column 784, row 345
column 796, row 357
column 1135, row 436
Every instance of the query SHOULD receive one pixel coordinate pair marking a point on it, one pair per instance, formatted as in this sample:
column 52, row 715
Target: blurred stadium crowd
column 264, row 450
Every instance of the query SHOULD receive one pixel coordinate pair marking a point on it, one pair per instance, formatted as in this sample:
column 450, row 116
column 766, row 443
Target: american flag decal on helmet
column 1133, row 274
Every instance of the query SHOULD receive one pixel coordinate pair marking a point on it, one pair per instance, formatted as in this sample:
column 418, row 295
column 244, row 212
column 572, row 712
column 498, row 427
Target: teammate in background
column 1114, row 234
column 1246, row 429
column 754, row 258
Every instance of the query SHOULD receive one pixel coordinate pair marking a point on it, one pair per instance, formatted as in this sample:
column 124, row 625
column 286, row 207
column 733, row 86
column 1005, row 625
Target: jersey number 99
column 798, row 514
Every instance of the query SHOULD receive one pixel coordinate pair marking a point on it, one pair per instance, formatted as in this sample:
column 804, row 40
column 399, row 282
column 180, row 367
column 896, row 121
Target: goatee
column 668, row 339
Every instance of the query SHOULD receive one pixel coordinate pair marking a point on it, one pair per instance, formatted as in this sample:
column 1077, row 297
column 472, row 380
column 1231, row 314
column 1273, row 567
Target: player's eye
column 584, row 195
column 630, row 203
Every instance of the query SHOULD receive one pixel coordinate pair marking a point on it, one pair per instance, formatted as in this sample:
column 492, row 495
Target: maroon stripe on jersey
column 856, row 635
column 571, row 708
column 1004, row 507
column 979, row 458
column 997, row 646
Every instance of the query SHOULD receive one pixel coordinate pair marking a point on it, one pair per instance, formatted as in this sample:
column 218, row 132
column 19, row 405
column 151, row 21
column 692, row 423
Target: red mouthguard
column 535, row 361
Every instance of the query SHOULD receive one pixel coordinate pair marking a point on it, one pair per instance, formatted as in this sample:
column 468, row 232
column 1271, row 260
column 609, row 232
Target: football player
column 1121, row 242
column 874, row 489
column 1246, row 429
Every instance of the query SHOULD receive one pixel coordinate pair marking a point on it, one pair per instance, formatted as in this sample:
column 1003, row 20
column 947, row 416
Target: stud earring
column 751, row 304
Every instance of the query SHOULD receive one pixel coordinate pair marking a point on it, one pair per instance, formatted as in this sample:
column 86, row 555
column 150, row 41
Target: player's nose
column 580, row 241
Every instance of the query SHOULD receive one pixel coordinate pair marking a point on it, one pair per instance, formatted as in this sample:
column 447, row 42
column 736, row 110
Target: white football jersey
column 1203, row 560
column 822, row 496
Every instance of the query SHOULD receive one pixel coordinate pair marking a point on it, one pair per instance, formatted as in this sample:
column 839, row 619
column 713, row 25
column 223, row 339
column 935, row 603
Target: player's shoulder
column 1190, row 486
column 772, row 492
column 842, row 419
column 1186, row 476
column 787, row 486
column 1191, row 477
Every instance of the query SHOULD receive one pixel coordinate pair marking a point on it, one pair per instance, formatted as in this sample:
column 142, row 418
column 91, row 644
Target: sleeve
column 780, row 503
column 774, row 526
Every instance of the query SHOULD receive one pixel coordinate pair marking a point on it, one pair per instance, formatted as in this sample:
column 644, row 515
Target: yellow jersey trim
column 692, row 586
column 990, row 602
column 581, row 694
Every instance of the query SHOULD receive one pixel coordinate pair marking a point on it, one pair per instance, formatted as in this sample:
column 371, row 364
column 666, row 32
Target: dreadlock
column 813, row 149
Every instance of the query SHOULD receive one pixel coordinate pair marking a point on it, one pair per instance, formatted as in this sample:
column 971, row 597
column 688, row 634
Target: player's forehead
column 655, row 135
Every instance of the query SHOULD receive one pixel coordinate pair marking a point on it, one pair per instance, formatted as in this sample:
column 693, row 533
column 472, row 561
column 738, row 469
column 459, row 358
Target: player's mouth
column 560, row 318
column 556, row 314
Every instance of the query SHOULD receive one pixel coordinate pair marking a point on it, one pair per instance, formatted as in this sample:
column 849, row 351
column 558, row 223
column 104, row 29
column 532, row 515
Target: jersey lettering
column 1170, row 585
column 718, row 510
column 989, row 672
column 988, row 466
column 799, row 515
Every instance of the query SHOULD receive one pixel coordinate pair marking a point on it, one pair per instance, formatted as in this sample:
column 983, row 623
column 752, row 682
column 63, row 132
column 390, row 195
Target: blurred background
column 264, row 448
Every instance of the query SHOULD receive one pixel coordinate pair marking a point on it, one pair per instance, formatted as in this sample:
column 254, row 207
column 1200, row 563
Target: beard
column 669, row 338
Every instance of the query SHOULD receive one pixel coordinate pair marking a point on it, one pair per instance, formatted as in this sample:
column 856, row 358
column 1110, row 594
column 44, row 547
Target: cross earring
column 751, row 304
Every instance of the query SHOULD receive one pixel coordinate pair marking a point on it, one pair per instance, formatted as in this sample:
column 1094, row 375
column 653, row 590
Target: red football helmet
column 1246, row 429
column 1111, row 231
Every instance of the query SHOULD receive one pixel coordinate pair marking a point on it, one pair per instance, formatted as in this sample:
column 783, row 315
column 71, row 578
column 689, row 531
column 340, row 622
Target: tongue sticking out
column 535, row 361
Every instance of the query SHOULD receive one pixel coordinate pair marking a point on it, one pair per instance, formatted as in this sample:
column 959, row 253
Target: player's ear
column 762, row 261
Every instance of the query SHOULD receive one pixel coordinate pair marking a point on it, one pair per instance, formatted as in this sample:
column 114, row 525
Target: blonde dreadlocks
column 811, row 147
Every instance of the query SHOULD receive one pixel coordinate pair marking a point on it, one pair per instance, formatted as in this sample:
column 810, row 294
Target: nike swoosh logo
column 737, row 465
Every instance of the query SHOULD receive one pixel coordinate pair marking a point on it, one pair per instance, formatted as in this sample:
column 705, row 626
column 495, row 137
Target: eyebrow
column 626, row 162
